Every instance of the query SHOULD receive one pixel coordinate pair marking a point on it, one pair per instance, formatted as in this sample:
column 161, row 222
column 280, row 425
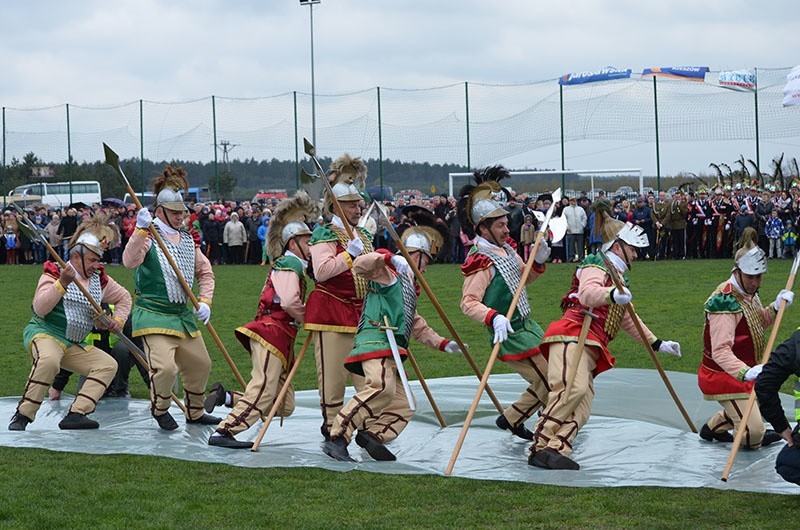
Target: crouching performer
column 63, row 318
column 162, row 315
column 733, row 342
column 270, row 336
column 380, row 409
column 592, row 301
column 492, row 272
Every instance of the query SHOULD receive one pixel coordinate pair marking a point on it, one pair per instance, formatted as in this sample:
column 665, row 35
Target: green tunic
column 153, row 312
column 371, row 341
column 53, row 325
column 527, row 335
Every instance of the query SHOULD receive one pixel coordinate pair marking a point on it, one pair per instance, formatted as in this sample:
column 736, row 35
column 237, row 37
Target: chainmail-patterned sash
column 79, row 310
column 409, row 303
column 613, row 320
column 183, row 254
column 341, row 235
column 508, row 268
column 753, row 316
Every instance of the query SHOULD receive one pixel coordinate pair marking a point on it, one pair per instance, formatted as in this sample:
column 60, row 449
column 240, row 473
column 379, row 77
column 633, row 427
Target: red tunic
column 712, row 379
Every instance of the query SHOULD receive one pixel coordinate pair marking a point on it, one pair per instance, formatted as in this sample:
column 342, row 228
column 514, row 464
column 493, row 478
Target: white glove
column 783, row 295
column 620, row 297
column 400, row 265
column 502, row 327
column 143, row 219
column 203, row 313
column 752, row 373
column 355, row 247
column 670, row 347
column 452, row 347
column 542, row 253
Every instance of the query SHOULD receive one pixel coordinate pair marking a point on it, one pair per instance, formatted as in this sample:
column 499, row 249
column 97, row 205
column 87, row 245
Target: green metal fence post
column 214, row 124
column 658, row 154
column 755, row 98
column 69, row 157
column 380, row 144
column 5, row 189
column 466, row 102
column 561, row 117
column 141, row 143
column 296, row 145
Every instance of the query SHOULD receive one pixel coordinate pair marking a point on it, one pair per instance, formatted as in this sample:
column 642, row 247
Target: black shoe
column 770, row 437
column 205, row 419
column 19, row 422
column 166, row 422
column 76, row 420
column 219, row 439
column 708, row 435
column 551, row 459
column 336, row 448
column 374, row 447
column 520, row 430
column 216, row 397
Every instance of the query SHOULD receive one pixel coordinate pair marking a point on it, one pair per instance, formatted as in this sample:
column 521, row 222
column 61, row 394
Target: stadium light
column 310, row 4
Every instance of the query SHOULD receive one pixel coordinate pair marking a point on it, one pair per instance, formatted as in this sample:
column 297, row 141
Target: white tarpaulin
column 635, row 437
column 791, row 92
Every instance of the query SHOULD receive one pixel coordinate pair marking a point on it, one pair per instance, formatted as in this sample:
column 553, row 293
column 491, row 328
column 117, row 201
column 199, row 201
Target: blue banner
column 606, row 74
column 744, row 80
column 687, row 73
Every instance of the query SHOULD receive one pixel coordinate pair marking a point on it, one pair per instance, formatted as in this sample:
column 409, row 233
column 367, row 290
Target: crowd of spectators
column 696, row 224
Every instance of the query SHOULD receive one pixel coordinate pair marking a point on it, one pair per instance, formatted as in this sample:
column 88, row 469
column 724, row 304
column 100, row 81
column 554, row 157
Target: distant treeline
column 241, row 179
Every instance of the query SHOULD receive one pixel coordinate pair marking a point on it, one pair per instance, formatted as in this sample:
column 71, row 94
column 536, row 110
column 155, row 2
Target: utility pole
column 227, row 147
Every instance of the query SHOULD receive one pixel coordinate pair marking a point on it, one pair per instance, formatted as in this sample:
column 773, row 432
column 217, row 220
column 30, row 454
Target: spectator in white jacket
column 235, row 235
column 576, row 222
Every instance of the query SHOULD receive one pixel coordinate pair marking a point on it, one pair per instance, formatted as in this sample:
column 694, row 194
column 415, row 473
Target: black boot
column 216, row 397
column 520, row 430
column 336, row 448
column 224, row 439
column 325, row 432
column 708, row 435
column 374, row 447
column 76, row 420
column 551, row 459
column 166, row 422
column 18, row 422
column 770, row 437
column 205, row 419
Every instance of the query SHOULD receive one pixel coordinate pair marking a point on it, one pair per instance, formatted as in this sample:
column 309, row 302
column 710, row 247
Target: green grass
column 74, row 490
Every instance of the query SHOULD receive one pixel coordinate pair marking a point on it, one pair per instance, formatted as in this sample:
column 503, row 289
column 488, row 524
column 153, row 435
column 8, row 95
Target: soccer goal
column 621, row 180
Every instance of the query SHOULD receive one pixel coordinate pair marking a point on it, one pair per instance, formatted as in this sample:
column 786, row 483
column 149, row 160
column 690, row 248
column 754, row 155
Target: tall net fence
column 467, row 124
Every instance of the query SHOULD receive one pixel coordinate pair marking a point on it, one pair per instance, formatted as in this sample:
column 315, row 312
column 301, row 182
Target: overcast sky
column 94, row 52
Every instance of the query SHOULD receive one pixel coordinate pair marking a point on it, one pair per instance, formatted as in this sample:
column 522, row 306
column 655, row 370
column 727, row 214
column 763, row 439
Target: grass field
column 45, row 489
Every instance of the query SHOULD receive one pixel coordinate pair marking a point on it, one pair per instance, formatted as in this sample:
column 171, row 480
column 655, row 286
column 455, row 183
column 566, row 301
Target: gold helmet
column 610, row 230
column 427, row 234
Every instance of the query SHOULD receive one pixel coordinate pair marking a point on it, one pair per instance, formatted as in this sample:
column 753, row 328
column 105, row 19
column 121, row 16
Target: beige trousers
column 48, row 358
column 266, row 380
column 534, row 371
column 330, row 351
column 730, row 417
column 565, row 413
column 380, row 406
column 167, row 355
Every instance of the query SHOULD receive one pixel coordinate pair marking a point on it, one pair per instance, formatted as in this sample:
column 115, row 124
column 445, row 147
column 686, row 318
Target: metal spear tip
column 308, row 178
column 309, row 148
column 112, row 158
column 558, row 227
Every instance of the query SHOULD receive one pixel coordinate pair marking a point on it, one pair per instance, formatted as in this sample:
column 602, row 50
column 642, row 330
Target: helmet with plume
column 484, row 200
column 609, row 229
column 168, row 186
column 96, row 234
column 289, row 219
column 347, row 176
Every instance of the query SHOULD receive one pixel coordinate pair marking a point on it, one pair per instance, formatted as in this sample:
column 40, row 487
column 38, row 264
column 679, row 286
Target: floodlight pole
column 310, row 4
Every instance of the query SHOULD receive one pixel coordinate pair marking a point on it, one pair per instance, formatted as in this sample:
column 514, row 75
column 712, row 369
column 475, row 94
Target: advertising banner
column 687, row 73
column 606, row 74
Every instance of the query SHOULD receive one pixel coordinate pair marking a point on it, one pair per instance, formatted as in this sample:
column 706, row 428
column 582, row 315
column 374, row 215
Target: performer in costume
column 162, row 315
column 380, row 409
column 733, row 342
column 63, row 318
column 334, row 306
column 270, row 336
column 492, row 272
column 592, row 291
